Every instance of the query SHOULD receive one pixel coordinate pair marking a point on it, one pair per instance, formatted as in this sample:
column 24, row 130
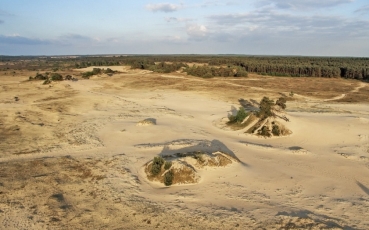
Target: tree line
column 215, row 65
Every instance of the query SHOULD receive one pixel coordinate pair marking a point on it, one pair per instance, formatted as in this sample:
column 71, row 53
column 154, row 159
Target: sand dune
column 72, row 157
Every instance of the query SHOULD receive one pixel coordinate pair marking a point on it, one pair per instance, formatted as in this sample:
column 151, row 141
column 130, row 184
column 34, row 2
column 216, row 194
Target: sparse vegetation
column 56, row 77
column 168, row 178
column 265, row 108
column 239, row 117
column 276, row 130
column 265, row 118
column 97, row 71
column 264, row 131
column 157, row 163
column 167, row 165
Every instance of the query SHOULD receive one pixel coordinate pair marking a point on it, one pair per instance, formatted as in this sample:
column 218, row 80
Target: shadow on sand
column 204, row 145
column 363, row 187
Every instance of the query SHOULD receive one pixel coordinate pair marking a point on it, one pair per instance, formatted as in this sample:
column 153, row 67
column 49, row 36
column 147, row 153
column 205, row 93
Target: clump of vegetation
column 39, row 77
column 239, row 117
column 265, row 108
column 168, row 178
column 292, row 94
column 56, row 77
column 264, row 131
column 262, row 122
column 156, row 165
column 109, row 71
column 275, row 129
column 167, row 165
column 97, row 71
column 46, row 77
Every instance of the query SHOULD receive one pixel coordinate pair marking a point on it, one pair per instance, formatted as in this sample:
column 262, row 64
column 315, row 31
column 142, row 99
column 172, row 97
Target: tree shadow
column 255, row 103
column 247, row 105
column 363, row 187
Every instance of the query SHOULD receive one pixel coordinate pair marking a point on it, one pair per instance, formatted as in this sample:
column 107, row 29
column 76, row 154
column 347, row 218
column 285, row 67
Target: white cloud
column 270, row 22
column 304, row 4
column 175, row 19
column 197, row 32
column 164, row 7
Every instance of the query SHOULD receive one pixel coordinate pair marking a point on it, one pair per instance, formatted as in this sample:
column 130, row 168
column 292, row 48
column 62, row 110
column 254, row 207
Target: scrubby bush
column 87, row 75
column 240, row 116
column 275, row 130
column 264, row 131
column 96, row 71
column 167, row 165
column 108, row 70
column 168, row 178
column 156, row 165
column 265, row 108
column 56, row 77
column 40, row 77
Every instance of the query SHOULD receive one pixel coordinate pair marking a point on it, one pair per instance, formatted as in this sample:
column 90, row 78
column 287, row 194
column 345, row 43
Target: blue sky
column 258, row 27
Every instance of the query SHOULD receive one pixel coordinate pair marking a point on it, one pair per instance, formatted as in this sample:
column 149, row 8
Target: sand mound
column 268, row 120
column 182, row 168
column 147, row 122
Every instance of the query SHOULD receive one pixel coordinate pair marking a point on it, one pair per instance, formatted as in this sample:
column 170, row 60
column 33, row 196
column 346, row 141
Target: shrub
column 168, row 178
column 240, row 116
column 108, row 70
column 156, row 165
column 265, row 108
column 40, row 77
column 56, row 77
column 96, row 71
column 87, row 75
column 167, row 165
column 275, row 130
column 264, row 131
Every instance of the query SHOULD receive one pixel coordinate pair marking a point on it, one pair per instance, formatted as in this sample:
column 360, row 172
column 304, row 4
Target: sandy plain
column 72, row 154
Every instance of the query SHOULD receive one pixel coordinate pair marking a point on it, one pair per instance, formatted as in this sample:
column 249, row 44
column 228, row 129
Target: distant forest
column 208, row 66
